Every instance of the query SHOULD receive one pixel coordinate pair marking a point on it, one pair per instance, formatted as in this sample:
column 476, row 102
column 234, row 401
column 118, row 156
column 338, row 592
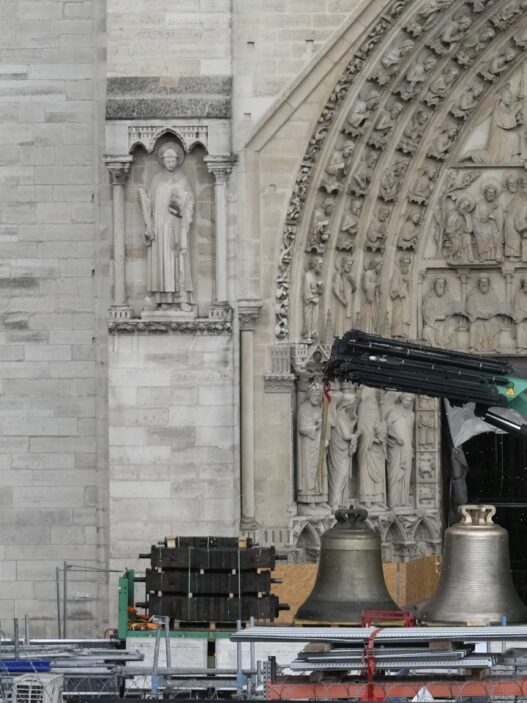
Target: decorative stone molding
column 147, row 135
column 248, row 313
column 220, row 165
column 195, row 326
column 118, row 169
column 279, row 382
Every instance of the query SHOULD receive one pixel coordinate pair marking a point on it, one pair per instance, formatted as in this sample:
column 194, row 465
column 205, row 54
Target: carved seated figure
column 410, row 230
column 438, row 311
column 483, row 309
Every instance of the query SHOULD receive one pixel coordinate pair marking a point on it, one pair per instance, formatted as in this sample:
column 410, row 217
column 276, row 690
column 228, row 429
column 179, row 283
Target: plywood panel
column 408, row 583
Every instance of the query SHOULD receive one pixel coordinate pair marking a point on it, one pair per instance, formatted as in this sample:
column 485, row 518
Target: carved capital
column 118, row 168
column 249, row 312
column 220, row 165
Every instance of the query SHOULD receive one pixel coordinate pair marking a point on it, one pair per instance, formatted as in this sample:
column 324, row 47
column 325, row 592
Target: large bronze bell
column 350, row 577
column 475, row 586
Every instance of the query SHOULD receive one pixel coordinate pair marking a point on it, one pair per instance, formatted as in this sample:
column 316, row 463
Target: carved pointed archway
column 406, row 214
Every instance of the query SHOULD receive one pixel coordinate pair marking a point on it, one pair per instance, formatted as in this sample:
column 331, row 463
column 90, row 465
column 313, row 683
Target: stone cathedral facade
column 197, row 197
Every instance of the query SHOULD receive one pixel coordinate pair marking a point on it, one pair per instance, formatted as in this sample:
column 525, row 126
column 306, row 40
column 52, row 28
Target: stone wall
column 49, row 244
column 273, row 42
column 172, row 449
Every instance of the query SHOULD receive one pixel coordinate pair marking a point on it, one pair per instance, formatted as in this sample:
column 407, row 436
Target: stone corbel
column 248, row 313
column 118, row 169
column 220, row 165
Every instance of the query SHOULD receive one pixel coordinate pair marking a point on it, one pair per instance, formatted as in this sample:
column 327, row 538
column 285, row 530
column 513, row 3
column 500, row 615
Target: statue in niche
column 337, row 168
column 479, row 5
column 483, row 308
column 343, row 287
column 440, row 86
column 371, row 286
column 410, row 230
column 488, row 223
column 413, row 133
column 369, row 416
column 378, row 229
column 491, row 69
column 372, row 476
column 504, row 140
column 362, row 176
column 319, row 232
column 467, row 101
column 415, row 78
column 520, row 39
column 515, row 207
column 168, row 211
column 518, row 211
column 455, row 228
column 342, row 445
column 519, row 309
column 387, row 119
column 391, row 179
column 504, row 17
column 400, row 296
column 390, row 62
column 350, row 226
column 451, row 34
column 440, row 145
column 309, row 421
column 473, row 44
column 400, row 431
column 439, row 311
column 311, row 294
column 361, row 112
column 429, row 14
column 424, row 185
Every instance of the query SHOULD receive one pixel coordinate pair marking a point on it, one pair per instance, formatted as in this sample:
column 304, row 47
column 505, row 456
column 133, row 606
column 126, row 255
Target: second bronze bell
column 350, row 577
column 475, row 586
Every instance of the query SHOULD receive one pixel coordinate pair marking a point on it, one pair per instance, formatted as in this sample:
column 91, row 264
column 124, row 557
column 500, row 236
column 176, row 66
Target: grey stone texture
column 109, row 443
column 50, row 81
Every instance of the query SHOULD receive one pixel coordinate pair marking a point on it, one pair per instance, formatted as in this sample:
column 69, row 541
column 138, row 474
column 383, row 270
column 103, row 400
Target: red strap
column 327, row 396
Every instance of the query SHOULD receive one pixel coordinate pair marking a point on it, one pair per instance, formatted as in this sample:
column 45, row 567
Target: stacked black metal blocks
column 210, row 579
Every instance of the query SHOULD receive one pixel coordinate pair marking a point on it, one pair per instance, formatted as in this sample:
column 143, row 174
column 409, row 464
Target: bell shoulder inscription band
column 350, row 577
column 475, row 586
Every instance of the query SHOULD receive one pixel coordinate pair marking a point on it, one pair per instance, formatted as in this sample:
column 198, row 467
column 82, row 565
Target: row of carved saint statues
column 483, row 313
column 363, row 447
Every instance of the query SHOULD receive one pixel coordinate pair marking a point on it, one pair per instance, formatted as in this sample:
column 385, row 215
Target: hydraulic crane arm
column 409, row 367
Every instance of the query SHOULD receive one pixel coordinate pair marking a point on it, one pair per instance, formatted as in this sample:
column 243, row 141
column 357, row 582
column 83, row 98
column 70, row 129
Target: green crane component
column 410, row 367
